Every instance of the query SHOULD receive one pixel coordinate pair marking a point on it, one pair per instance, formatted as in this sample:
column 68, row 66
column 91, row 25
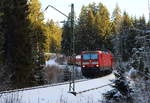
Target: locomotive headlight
column 83, row 66
column 97, row 65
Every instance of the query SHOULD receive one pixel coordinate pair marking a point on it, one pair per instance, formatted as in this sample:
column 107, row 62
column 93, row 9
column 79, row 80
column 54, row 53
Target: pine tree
column 1, row 48
column 54, row 36
column 104, row 20
column 103, row 26
column 135, row 22
column 122, row 90
column 89, row 33
column 81, row 31
column 38, row 37
column 126, row 21
column 93, row 25
column 126, row 31
column 116, row 20
column 87, row 29
column 37, row 26
column 141, row 23
column 66, row 42
column 148, row 25
column 17, row 46
column 1, row 34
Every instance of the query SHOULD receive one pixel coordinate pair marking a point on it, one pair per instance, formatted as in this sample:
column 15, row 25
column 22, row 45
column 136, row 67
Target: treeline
column 24, row 38
column 97, row 29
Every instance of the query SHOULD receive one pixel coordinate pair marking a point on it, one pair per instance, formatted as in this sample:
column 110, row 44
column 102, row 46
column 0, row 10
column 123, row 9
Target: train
column 96, row 63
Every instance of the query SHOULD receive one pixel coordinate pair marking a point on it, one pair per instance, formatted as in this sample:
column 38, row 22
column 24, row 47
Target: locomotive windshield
column 90, row 56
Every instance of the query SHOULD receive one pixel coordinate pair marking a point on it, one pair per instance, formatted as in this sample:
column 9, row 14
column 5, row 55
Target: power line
column 56, row 10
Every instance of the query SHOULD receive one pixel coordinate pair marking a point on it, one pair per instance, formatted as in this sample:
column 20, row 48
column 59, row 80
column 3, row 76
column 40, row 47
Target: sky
column 133, row 7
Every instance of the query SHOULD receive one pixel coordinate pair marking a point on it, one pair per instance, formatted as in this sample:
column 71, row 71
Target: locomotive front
column 95, row 63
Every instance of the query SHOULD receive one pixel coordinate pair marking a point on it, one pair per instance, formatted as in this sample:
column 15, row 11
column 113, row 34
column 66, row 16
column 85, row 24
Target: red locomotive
column 96, row 63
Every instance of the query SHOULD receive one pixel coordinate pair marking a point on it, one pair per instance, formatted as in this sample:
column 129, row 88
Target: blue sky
column 133, row 7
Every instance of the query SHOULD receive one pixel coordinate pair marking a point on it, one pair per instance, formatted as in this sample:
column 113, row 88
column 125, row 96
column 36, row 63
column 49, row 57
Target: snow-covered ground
column 59, row 94
column 51, row 62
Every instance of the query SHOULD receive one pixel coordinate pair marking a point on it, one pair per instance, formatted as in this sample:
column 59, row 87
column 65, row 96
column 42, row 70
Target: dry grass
column 11, row 98
column 53, row 74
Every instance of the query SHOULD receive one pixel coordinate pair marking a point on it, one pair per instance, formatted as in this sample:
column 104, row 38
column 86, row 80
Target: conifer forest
column 25, row 38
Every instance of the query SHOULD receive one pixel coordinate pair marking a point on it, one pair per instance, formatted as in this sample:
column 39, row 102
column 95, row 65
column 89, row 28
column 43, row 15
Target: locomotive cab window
column 90, row 56
column 94, row 56
column 86, row 56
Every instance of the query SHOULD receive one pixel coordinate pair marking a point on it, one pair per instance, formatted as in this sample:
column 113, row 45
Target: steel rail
column 43, row 86
column 94, row 88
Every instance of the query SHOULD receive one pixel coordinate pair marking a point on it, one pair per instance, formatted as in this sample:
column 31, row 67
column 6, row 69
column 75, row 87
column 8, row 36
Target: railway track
column 43, row 86
column 50, row 85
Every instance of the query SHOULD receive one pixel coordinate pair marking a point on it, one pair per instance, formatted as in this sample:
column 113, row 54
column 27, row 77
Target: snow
column 51, row 62
column 78, row 57
column 132, row 71
column 147, row 31
column 59, row 94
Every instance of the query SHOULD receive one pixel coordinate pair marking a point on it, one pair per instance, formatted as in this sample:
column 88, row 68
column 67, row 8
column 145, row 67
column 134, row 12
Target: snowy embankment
column 52, row 61
column 59, row 94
